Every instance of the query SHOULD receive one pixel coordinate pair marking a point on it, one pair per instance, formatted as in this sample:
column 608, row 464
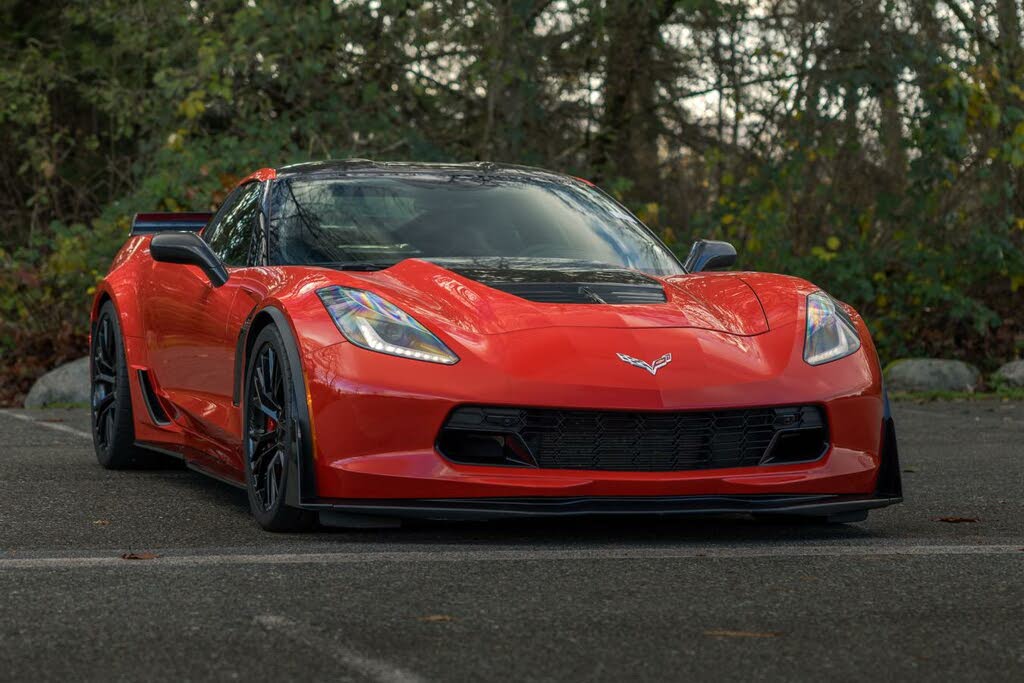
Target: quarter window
column 230, row 237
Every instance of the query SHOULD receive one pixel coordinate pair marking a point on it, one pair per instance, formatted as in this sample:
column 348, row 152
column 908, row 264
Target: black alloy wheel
column 104, row 382
column 113, row 428
column 270, row 439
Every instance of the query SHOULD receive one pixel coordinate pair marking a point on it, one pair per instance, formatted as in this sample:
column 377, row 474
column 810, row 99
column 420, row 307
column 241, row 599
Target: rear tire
column 113, row 425
column 269, row 443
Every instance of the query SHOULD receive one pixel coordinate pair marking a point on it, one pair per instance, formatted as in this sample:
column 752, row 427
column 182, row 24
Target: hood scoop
column 560, row 282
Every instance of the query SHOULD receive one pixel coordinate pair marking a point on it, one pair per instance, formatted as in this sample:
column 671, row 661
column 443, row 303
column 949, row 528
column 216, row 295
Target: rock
column 931, row 374
column 68, row 383
column 1011, row 374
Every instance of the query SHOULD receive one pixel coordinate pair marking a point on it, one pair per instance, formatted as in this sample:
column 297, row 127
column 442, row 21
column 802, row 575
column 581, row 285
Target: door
column 191, row 347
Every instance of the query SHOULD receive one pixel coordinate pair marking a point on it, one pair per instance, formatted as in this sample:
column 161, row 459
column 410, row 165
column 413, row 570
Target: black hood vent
column 557, row 281
column 583, row 293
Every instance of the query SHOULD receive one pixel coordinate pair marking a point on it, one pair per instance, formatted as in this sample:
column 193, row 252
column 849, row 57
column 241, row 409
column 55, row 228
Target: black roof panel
column 347, row 166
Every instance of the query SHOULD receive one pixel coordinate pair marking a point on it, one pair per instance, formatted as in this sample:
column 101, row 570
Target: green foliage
column 875, row 148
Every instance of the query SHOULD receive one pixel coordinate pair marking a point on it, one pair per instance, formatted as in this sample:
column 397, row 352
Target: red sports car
column 364, row 342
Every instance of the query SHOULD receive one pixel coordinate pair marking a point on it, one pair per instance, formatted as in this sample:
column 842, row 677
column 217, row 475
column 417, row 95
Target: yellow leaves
column 193, row 105
column 823, row 254
column 176, row 140
column 67, row 257
column 728, row 219
column 648, row 213
column 1016, row 282
column 829, row 251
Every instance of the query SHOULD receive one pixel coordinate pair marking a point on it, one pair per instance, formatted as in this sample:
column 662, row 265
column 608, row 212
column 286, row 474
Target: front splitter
column 838, row 507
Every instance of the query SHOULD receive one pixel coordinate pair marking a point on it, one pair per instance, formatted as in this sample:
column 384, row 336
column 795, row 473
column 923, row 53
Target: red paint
column 260, row 175
column 736, row 341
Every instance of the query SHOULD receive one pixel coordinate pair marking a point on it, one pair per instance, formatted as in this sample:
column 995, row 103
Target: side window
column 230, row 236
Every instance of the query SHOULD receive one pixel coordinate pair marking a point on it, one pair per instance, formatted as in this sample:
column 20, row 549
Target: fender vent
column 153, row 407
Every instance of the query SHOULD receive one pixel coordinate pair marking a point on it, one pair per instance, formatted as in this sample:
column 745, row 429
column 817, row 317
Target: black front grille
column 633, row 441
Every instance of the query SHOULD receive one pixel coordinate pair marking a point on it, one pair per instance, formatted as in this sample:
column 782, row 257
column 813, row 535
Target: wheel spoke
column 105, row 404
column 105, row 368
column 273, row 479
column 262, row 446
column 264, row 402
column 267, row 451
column 108, row 427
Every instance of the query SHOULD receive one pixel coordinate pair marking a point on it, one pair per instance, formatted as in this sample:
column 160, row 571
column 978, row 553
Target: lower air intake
column 633, row 441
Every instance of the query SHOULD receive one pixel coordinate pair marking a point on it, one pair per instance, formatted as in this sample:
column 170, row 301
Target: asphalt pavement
column 903, row 595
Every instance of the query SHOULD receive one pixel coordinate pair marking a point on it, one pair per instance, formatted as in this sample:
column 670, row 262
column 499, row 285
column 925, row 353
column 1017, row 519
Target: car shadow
column 646, row 530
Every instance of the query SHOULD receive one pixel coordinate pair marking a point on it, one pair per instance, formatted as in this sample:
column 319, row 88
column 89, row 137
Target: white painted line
column 49, row 425
column 369, row 667
column 412, row 556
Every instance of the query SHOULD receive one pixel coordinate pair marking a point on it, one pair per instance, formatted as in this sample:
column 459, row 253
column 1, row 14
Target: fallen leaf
column 725, row 633
column 956, row 520
column 436, row 618
column 139, row 556
column 101, row 522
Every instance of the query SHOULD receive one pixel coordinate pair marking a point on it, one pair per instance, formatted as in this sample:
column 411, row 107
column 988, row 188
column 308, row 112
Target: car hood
column 495, row 296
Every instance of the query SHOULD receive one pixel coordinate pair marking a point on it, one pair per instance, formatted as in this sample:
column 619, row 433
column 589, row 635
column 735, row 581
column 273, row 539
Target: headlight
column 830, row 332
column 369, row 321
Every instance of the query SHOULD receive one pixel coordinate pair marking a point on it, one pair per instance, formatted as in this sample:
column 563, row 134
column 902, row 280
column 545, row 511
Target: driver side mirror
column 188, row 248
column 709, row 255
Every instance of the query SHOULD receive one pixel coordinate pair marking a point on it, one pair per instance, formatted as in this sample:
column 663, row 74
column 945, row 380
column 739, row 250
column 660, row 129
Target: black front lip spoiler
column 812, row 505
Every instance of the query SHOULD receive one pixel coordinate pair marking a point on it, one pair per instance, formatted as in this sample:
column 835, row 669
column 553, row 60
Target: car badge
column 649, row 367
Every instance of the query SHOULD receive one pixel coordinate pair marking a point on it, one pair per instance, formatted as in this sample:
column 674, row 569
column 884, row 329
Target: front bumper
column 888, row 490
column 375, row 420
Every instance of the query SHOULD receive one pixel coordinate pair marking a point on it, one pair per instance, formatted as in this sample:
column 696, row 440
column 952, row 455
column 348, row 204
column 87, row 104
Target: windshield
column 369, row 222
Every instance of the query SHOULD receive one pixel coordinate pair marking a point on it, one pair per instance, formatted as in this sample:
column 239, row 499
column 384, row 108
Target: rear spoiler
column 149, row 223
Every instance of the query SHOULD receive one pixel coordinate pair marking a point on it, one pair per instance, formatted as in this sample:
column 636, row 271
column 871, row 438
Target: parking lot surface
column 933, row 588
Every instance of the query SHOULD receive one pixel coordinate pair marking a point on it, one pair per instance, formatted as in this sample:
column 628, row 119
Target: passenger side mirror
column 190, row 249
column 709, row 255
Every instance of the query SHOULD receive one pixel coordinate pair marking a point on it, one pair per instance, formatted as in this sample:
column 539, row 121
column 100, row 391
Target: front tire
column 113, row 425
column 269, row 434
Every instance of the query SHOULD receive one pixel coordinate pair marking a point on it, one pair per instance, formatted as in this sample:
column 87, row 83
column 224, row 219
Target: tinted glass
column 230, row 236
column 380, row 220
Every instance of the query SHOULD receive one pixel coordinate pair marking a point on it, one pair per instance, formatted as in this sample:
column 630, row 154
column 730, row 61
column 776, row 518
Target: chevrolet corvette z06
column 364, row 342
